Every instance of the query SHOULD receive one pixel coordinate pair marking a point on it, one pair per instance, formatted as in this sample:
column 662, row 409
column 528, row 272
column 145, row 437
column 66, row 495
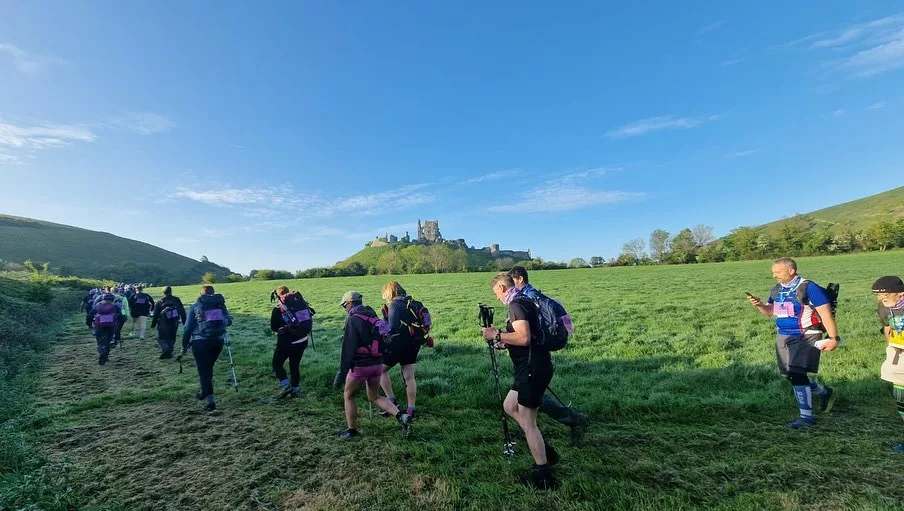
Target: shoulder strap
column 802, row 295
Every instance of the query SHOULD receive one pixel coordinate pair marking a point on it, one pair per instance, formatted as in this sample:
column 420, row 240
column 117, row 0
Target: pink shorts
column 366, row 374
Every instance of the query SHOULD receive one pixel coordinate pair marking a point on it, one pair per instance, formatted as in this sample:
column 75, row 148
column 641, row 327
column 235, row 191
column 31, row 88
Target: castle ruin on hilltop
column 428, row 234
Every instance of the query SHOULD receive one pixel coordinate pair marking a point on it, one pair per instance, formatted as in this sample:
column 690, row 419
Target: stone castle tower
column 429, row 231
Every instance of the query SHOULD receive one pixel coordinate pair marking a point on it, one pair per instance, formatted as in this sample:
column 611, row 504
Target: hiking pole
column 485, row 316
column 235, row 382
column 549, row 389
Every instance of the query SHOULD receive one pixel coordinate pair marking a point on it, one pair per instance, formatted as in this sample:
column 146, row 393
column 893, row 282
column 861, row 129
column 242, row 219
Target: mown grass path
column 676, row 370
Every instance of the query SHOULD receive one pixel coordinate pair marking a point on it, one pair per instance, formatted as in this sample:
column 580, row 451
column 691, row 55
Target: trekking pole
column 549, row 389
column 235, row 382
column 181, row 354
column 485, row 316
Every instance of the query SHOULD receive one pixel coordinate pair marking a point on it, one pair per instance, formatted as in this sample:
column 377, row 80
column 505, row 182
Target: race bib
column 783, row 309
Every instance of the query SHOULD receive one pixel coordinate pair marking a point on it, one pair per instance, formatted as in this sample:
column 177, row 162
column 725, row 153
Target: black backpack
column 211, row 316
column 296, row 314
column 555, row 323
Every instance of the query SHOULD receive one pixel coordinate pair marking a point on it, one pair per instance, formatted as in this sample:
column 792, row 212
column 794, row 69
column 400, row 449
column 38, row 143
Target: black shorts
column 797, row 353
column 402, row 355
column 531, row 385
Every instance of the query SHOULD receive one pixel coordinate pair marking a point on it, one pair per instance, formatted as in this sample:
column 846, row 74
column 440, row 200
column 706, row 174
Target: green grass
column 676, row 370
column 856, row 215
column 91, row 253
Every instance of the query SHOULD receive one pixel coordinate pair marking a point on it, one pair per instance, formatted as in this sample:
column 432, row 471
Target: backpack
column 296, row 314
column 419, row 325
column 211, row 316
column 555, row 323
column 831, row 291
column 171, row 314
column 105, row 314
column 379, row 337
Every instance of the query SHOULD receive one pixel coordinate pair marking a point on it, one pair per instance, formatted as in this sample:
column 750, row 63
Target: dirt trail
column 138, row 439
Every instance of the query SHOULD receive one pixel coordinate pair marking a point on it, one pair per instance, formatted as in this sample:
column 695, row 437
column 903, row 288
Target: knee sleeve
column 798, row 379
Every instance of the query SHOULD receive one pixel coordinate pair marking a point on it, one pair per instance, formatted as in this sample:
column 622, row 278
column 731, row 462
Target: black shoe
column 552, row 456
column 286, row 392
column 543, row 479
column 348, row 434
column 210, row 404
column 166, row 354
column 199, row 395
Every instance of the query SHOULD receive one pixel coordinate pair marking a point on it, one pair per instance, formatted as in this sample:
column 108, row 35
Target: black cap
column 888, row 284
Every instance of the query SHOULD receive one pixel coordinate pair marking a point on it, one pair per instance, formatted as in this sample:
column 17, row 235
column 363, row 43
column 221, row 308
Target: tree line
column 800, row 235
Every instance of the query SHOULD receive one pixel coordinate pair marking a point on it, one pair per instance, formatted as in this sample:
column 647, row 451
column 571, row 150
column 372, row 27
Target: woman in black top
column 168, row 314
column 289, row 346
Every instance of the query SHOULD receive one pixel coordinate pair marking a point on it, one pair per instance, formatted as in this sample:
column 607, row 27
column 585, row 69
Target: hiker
column 889, row 292
column 204, row 332
column 104, row 319
column 292, row 322
column 123, row 303
column 408, row 332
column 140, row 306
column 361, row 362
column 803, row 313
column 554, row 409
column 168, row 313
column 532, row 371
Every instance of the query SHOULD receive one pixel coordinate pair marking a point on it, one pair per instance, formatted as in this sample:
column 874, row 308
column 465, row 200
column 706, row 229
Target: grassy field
column 675, row 369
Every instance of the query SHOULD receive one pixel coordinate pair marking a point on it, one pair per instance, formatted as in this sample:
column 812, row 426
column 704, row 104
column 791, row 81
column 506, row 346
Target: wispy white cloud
column 869, row 48
column 566, row 197
column 731, row 62
column 259, row 202
column 28, row 63
column 741, row 154
column 877, row 106
column 652, row 124
column 143, row 123
column 492, row 176
column 43, row 135
column 586, row 174
column 839, row 112
column 712, row 27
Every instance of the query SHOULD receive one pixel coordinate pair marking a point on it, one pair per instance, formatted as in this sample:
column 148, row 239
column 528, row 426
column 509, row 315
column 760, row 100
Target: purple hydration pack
column 105, row 314
column 380, row 331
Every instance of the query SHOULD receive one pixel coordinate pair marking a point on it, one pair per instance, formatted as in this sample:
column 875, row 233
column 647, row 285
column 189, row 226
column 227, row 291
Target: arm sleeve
column 187, row 331
column 816, row 295
column 228, row 317
column 516, row 313
column 181, row 310
column 348, row 347
column 276, row 321
column 155, row 314
column 883, row 313
column 397, row 311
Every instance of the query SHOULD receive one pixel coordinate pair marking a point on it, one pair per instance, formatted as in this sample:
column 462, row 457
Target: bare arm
column 764, row 308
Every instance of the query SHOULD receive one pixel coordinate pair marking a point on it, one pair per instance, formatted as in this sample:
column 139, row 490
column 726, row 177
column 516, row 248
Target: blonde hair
column 282, row 290
column 503, row 278
column 392, row 289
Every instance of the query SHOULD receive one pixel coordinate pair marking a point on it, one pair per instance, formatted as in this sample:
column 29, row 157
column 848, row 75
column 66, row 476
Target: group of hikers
column 536, row 325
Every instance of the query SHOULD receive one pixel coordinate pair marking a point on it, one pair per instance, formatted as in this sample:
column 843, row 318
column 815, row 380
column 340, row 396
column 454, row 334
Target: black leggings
column 292, row 352
column 206, row 352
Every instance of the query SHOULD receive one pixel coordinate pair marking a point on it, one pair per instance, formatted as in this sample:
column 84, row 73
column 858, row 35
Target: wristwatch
column 498, row 337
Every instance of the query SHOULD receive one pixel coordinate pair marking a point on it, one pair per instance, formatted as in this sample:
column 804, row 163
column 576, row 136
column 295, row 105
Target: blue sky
column 287, row 134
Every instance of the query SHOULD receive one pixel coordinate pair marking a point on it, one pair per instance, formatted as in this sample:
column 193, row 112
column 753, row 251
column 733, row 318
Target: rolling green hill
column 75, row 251
column 369, row 256
column 855, row 215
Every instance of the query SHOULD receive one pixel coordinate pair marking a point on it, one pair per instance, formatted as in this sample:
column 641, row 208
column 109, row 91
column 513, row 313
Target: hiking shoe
column 405, row 423
column 827, row 400
column 898, row 448
column 348, row 434
column 210, row 404
column 552, row 456
column 543, row 479
column 165, row 355
column 802, row 423
column 199, row 395
column 286, row 392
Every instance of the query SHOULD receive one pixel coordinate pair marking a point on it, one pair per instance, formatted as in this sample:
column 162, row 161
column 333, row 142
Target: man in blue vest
column 803, row 314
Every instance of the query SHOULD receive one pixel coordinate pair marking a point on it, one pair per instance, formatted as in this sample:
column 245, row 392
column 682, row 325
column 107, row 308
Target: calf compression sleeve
column 899, row 397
